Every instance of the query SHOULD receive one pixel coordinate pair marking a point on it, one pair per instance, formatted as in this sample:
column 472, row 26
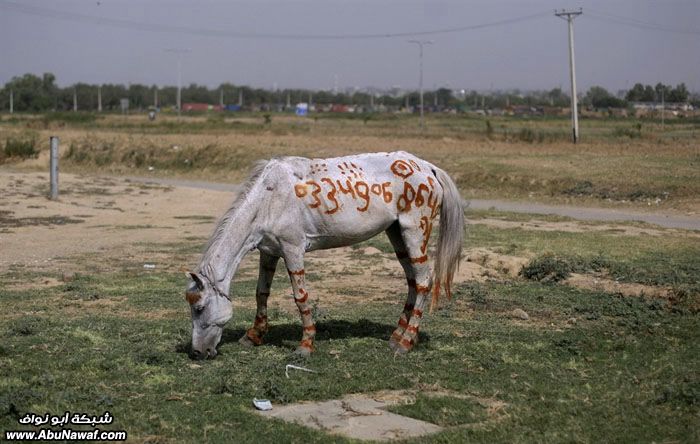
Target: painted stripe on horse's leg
column 266, row 273
column 394, row 234
column 298, row 278
column 414, row 239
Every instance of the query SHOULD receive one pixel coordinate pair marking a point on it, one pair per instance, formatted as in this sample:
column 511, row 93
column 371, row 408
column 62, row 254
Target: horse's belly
column 339, row 234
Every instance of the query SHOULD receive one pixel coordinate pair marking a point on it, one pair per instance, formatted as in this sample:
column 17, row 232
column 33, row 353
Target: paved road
column 580, row 213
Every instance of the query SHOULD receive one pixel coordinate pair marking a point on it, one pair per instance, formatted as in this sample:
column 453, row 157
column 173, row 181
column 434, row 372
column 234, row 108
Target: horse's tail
column 449, row 244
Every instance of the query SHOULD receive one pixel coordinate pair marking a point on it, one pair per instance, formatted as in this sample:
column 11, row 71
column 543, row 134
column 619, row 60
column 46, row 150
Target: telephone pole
column 99, row 98
column 420, row 44
column 569, row 16
column 179, row 53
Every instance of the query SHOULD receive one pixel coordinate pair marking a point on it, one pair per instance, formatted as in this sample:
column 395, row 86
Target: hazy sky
column 65, row 37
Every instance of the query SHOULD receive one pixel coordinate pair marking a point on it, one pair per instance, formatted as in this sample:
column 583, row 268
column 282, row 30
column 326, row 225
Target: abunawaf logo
column 68, row 434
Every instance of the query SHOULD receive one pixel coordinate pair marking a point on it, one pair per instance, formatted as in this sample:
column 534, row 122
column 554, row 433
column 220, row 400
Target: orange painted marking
column 417, row 312
column 405, row 200
column 307, row 343
column 414, row 164
column 314, row 193
column 331, row 196
column 300, row 190
column 387, row 194
column 403, row 323
column 412, row 329
column 305, row 312
column 420, row 200
column 421, row 289
column 427, row 226
column 405, row 343
column 401, row 169
column 362, row 194
column 419, row 260
column 192, row 297
column 254, row 337
column 395, row 335
column 296, row 273
column 310, row 328
column 303, row 298
column 376, row 189
column 349, row 190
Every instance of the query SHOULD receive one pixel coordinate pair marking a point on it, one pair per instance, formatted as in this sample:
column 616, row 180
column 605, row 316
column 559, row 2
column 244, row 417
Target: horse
column 291, row 205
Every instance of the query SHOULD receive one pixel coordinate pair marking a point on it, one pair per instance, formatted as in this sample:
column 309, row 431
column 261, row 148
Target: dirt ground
column 110, row 220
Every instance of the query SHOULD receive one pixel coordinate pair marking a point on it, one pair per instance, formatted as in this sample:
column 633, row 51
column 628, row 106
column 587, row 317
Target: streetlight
column 179, row 52
column 420, row 44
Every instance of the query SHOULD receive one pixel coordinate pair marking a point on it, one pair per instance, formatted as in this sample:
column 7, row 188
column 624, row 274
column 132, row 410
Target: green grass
column 624, row 370
column 668, row 260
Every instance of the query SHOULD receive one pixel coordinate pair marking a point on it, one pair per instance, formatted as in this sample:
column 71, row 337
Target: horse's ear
column 197, row 280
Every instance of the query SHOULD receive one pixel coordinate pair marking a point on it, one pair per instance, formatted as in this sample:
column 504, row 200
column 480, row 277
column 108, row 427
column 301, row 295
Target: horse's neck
column 237, row 234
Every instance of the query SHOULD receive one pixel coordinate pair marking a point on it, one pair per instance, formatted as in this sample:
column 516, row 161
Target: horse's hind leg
column 394, row 234
column 415, row 236
column 254, row 335
column 295, row 268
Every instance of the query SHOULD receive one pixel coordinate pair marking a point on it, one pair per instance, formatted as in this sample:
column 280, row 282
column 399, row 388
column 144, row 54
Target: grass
column 587, row 366
column 668, row 260
column 593, row 381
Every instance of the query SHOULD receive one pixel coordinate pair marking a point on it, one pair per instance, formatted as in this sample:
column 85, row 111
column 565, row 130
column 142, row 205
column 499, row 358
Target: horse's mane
column 222, row 225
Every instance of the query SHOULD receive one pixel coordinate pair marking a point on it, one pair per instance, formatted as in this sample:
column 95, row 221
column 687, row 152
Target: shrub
column 546, row 268
column 23, row 147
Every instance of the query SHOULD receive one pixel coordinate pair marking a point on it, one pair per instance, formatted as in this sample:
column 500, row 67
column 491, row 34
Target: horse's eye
column 198, row 309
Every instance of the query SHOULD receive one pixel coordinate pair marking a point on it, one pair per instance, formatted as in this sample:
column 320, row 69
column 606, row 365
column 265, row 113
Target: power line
column 640, row 24
column 164, row 28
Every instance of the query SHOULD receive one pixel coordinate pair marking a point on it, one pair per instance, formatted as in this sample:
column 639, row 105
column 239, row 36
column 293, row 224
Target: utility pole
column 12, row 102
column 240, row 96
column 99, row 98
column 420, row 44
column 75, row 99
column 663, row 109
column 570, row 16
column 179, row 52
column 155, row 97
column 221, row 97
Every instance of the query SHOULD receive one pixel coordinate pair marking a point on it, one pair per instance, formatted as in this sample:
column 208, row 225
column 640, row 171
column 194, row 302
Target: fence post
column 54, row 168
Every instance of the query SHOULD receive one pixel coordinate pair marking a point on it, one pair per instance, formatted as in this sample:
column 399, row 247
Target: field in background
column 620, row 162
column 607, row 351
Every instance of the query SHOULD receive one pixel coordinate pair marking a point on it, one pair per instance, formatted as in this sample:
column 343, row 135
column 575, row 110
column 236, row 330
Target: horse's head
column 210, row 309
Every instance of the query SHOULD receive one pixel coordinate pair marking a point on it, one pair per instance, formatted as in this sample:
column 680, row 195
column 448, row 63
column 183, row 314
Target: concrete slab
column 355, row 416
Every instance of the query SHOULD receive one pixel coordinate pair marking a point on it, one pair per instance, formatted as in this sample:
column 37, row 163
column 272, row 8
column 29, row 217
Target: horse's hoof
column 398, row 347
column 302, row 351
column 400, row 350
column 246, row 342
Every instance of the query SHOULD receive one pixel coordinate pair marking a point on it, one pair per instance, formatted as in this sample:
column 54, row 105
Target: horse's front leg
column 295, row 268
column 266, row 273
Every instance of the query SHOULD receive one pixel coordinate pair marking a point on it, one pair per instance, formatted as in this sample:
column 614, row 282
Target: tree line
column 32, row 93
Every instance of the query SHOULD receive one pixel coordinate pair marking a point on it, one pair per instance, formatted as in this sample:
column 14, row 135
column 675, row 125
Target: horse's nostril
column 196, row 354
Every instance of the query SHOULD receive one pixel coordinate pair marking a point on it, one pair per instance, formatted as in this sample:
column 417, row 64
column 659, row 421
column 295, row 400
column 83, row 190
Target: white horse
column 292, row 205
